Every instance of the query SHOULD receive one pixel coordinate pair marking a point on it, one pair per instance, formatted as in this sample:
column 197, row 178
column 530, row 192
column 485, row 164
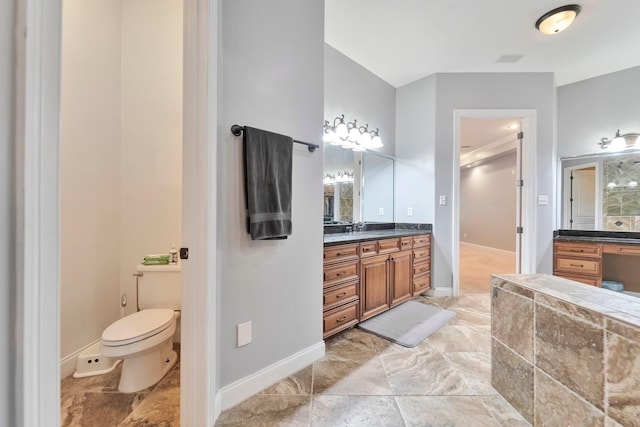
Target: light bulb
column 329, row 135
column 365, row 139
column 376, row 142
column 341, row 130
column 618, row 143
column 354, row 135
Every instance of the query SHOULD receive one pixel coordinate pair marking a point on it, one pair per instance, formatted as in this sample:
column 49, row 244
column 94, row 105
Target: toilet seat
column 138, row 326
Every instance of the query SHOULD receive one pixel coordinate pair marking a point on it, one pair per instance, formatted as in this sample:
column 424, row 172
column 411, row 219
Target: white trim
column 68, row 363
column 240, row 390
column 564, row 189
column 444, row 291
column 489, row 248
column 37, row 382
column 529, row 120
column 198, row 341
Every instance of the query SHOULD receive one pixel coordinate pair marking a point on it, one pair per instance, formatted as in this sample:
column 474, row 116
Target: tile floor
column 362, row 381
column 96, row 402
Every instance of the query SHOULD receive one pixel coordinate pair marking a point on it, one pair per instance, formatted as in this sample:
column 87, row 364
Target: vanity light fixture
column 620, row 142
column 350, row 135
column 557, row 19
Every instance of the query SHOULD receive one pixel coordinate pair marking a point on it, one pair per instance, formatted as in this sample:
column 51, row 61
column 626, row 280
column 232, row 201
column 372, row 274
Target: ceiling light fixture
column 350, row 135
column 620, row 142
column 557, row 19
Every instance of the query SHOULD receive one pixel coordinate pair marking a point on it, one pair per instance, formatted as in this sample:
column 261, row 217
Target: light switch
column 543, row 200
column 443, row 200
column 380, row 211
column 244, row 333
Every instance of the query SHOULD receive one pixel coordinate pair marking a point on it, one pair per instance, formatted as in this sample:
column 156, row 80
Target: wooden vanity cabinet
column 421, row 264
column 400, row 277
column 341, row 283
column 579, row 261
column 374, row 291
column 364, row 279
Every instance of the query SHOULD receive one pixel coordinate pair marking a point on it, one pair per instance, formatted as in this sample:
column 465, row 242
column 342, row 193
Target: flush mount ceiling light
column 557, row 19
column 620, row 142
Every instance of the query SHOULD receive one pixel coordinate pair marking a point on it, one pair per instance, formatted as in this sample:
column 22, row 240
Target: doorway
column 493, row 222
column 489, row 196
column 579, row 203
column 38, row 100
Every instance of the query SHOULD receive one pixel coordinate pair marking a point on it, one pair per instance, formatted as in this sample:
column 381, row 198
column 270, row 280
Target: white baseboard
column 240, row 390
column 489, row 249
column 217, row 406
column 440, row 292
column 68, row 363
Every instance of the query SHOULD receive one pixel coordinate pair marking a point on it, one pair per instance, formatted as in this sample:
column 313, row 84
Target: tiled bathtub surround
column 565, row 353
column 621, row 193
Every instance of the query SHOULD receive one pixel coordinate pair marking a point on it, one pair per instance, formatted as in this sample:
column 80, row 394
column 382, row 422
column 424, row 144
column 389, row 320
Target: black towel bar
column 237, row 131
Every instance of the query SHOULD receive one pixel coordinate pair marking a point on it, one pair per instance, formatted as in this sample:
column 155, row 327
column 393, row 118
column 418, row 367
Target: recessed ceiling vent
column 509, row 59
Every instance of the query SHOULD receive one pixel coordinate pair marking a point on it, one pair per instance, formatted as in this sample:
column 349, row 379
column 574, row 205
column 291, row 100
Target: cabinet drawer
column 577, row 265
column 421, row 240
column 368, row 248
column 593, row 281
column 388, row 245
column 591, row 250
column 621, row 249
column 340, row 318
column 340, row 273
column 421, row 284
column 406, row 243
column 340, row 253
column 339, row 295
column 421, row 268
column 421, row 254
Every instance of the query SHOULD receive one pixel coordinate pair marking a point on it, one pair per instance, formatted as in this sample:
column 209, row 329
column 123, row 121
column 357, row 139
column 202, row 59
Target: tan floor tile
column 370, row 411
column 97, row 409
column 350, row 374
column 445, row 411
column 161, row 409
column 267, row 411
column 298, row 383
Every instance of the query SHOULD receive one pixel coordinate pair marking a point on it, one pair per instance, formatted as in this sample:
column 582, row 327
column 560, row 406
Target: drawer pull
column 366, row 249
column 576, row 250
column 341, row 294
column 342, row 319
column 341, row 273
column 577, row 265
column 341, row 253
column 422, row 269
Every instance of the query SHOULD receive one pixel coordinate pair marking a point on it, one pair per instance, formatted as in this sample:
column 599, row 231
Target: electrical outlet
column 409, row 211
column 443, row 200
column 244, row 333
column 543, row 200
column 381, row 211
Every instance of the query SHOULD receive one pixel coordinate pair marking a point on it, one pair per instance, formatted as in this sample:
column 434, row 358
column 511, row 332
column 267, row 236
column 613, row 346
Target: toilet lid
column 138, row 326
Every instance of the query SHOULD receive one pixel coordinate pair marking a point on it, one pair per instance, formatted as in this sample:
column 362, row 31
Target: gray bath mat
column 409, row 323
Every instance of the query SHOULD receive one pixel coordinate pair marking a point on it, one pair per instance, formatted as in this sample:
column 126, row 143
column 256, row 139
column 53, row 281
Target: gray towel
column 268, row 167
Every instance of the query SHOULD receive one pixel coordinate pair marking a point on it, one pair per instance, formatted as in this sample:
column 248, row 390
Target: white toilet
column 145, row 339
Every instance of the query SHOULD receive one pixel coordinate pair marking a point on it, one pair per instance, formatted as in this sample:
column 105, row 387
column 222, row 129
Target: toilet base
column 144, row 370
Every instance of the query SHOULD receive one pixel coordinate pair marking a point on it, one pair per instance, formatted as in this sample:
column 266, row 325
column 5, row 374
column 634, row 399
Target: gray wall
column 482, row 188
column 595, row 108
column 7, row 213
column 357, row 93
column 272, row 78
column 377, row 188
column 428, row 169
column 415, row 133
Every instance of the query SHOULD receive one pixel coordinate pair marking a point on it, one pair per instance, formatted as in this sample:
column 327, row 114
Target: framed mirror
column 601, row 192
column 358, row 186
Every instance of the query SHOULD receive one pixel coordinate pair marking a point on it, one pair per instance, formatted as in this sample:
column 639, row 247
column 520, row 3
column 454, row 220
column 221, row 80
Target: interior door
column 580, row 199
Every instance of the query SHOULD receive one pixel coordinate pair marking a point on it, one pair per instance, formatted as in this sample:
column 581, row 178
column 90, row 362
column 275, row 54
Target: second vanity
column 593, row 256
column 369, row 272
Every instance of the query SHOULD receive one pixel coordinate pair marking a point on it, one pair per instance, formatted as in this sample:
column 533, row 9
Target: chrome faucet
column 358, row 226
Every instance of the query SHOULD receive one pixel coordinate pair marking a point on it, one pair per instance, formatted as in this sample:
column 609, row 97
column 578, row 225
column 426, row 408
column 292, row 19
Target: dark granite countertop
column 363, row 236
column 622, row 237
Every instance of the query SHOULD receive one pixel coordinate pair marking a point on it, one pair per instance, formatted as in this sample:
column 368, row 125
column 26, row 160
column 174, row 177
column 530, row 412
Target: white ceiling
column 404, row 40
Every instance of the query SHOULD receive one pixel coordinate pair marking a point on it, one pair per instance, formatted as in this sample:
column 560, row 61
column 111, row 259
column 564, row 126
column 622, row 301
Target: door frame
column 37, row 352
column 528, row 237
column 565, row 174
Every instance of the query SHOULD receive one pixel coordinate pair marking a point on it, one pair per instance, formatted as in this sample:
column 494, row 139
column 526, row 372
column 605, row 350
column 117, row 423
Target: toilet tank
column 160, row 286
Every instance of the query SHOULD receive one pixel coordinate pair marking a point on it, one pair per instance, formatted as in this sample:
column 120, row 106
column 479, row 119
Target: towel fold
column 268, row 164
column 156, row 259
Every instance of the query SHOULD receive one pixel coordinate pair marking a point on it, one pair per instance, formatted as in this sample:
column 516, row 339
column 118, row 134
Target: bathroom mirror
column 358, row 186
column 601, row 192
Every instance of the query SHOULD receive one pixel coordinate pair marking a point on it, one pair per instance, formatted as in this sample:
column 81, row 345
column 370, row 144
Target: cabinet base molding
column 236, row 392
column 440, row 291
